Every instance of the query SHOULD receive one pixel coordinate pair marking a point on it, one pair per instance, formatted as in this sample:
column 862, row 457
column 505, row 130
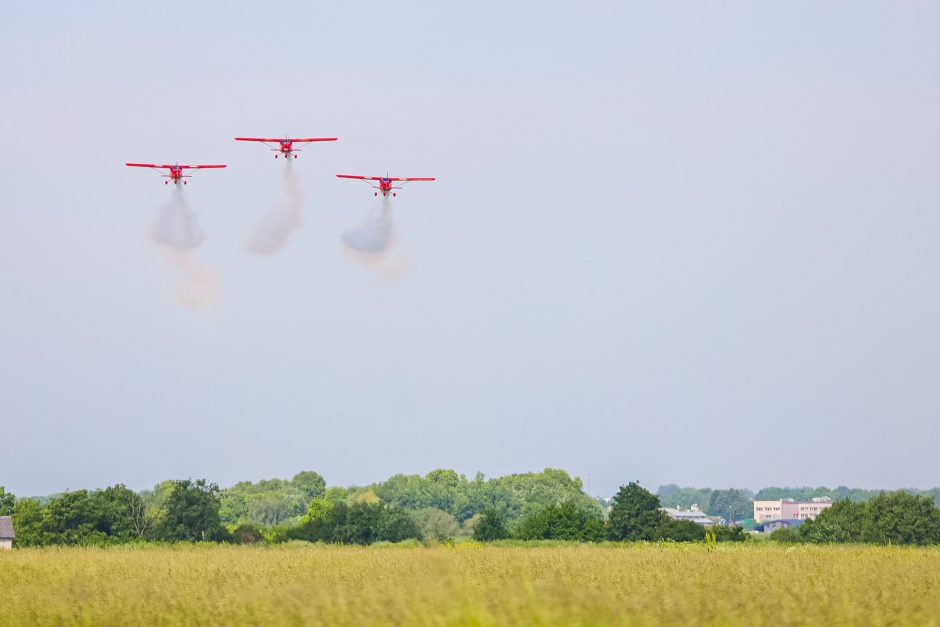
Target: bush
column 436, row 524
column 247, row 534
column 785, row 535
column 730, row 534
column 491, row 526
column 682, row 531
column 562, row 522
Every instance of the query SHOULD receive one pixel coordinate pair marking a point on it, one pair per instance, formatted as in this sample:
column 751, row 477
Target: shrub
column 785, row 535
column 491, row 526
column 247, row 534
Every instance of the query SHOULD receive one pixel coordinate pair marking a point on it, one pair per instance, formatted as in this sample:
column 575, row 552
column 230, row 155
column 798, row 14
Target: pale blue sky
column 666, row 239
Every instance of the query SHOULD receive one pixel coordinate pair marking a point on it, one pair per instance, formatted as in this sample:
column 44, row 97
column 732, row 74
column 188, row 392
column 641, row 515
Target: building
column 790, row 509
column 693, row 514
column 772, row 525
column 6, row 532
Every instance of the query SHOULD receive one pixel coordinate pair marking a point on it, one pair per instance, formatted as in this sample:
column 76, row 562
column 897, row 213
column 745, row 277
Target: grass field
column 755, row 584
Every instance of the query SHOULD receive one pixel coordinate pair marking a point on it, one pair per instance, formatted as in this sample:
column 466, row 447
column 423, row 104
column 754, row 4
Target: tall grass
column 469, row 584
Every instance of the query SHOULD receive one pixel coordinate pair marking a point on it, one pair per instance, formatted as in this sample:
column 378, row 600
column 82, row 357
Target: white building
column 790, row 509
column 693, row 514
column 6, row 532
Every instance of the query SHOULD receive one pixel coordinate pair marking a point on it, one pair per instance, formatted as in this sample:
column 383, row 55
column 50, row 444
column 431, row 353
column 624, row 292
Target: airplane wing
column 277, row 139
column 201, row 166
column 147, row 165
column 419, row 178
column 361, row 178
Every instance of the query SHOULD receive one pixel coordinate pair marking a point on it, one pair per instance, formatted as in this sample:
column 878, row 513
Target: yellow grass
column 759, row 584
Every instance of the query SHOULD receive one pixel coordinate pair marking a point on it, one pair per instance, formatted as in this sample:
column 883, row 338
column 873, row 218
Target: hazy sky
column 690, row 242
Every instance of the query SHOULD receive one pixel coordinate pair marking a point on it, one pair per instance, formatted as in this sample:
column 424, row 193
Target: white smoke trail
column 176, row 232
column 374, row 243
column 275, row 228
column 176, row 226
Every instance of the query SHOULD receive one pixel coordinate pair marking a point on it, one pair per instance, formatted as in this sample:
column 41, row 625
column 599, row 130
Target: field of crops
column 753, row 584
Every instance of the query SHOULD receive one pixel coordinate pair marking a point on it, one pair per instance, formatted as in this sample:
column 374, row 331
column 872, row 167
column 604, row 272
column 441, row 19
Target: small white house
column 6, row 532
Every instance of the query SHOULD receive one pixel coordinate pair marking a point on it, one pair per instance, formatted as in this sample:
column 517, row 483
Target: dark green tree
column 395, row 525
column 28, row 523
column 681, row 531
column 311, row 484
column 635, row 515
column 357, row 523
column 247, row 534
column 320, row 522
column 565, row 521
column 191, row 512
column 491, row 526
column 731, row 504
column 902, row 518
column 7, row 501
column 74, row 518
column 843, row 522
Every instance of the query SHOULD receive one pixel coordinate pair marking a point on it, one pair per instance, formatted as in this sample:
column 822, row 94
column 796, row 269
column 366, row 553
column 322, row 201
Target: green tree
column 436, row 524
column 843, row 522
column 635, row 515
column 191, row 512
column 565, row 521
column 902, row 518
column 357, row 523
column 74, row 518
column 320, row 521
column 247, row 534
column 311, row 484
column 731, row 504
column 671, row 495
column 7, row 501
column 28, row 523
column 121, row 513
column 681, row 531
column 270, row 509
column 490, row 526
column 395, row 525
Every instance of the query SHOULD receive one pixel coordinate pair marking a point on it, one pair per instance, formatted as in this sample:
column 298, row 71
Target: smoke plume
column 275, row 228
column 374, row 244
column 176, row 232
column 176, row 226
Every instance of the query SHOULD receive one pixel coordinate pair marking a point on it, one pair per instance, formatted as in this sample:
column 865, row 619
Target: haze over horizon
column 692, row 243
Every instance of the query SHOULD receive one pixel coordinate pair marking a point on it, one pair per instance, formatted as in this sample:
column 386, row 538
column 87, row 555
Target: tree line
column 738, row 503
column 888, row 518
column 439, row 506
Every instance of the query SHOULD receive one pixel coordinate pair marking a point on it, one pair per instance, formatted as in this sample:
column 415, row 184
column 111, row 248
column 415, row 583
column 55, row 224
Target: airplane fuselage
column 385, row 186
column 286, row 148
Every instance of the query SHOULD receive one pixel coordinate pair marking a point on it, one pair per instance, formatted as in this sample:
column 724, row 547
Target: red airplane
column 385, row 182
column 285, row 146
column 176, row 170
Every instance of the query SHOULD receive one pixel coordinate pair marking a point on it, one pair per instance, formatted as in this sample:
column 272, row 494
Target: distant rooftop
column 6, row 528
